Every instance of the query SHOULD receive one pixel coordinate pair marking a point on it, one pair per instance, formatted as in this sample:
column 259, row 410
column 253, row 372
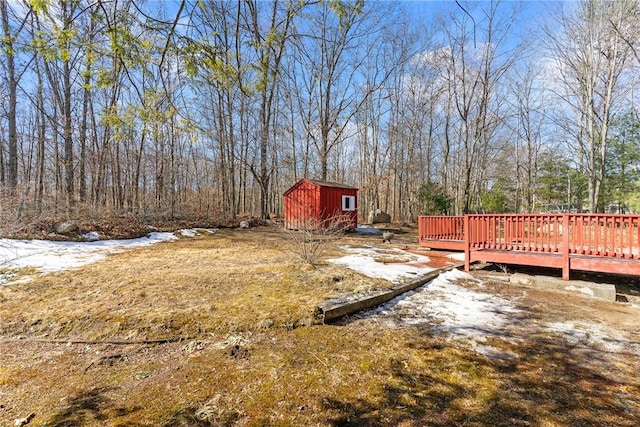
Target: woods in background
column 210, row 109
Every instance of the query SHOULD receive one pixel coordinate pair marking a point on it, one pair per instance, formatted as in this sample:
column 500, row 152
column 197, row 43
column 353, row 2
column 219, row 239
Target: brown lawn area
column 236, row 309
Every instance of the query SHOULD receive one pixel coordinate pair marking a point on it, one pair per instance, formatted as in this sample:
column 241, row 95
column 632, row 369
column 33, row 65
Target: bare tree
column 340, row 67
column 527, row 104
column 592, row 53
column 58, row 24
column 12, row 78
column 476, row 61
column 269, row 42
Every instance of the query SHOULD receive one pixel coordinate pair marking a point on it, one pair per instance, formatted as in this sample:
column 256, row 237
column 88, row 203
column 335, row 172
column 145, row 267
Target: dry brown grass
column 239, row 299
column 231, row 281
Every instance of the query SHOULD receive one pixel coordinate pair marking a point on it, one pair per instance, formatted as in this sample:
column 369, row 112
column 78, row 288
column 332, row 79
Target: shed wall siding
column 300, row 204
column 331, row 199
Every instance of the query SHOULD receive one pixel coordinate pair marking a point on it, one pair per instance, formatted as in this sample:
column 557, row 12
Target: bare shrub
column 309, row 242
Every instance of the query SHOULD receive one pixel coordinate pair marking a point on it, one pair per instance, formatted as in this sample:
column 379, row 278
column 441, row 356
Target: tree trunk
column 12, row 84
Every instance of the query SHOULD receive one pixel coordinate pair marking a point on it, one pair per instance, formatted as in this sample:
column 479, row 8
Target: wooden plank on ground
column 332, row 311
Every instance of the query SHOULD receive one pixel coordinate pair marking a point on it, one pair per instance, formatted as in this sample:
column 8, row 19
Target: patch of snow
column 50, row 256
column 9, row 278
column 25, row 279
column 464, row 314
column 460, row 312
column 593, row 335
column 458, row 256
column 363, row 260
column 91, row 236
column 193, row 232
column 494, row 353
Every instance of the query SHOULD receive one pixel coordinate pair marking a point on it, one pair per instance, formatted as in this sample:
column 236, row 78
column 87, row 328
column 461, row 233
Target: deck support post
column 566, row 267
column 467, row 243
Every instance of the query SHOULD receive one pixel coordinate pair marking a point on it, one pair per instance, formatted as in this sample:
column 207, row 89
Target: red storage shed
column 311, row 199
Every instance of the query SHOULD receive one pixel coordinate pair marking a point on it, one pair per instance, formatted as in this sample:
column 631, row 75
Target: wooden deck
column 585, row 242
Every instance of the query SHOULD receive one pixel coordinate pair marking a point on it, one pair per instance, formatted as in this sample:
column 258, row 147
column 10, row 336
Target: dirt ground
column 219, row 330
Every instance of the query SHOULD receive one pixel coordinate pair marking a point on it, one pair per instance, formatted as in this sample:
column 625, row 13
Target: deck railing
column 537, row 233
column 591, row 242
column 613, row 236
column 441, row 232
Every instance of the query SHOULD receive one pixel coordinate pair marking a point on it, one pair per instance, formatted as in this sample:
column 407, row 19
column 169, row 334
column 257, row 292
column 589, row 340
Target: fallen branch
column 93, row 342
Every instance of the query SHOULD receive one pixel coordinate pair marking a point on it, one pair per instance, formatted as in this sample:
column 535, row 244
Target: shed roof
column 320, row 184
column 332, row 184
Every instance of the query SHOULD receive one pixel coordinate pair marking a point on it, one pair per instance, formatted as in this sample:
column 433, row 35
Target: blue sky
column 529, row 18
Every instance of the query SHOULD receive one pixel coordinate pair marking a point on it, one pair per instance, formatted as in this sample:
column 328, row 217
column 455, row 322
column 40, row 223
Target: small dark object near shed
column 311, row 200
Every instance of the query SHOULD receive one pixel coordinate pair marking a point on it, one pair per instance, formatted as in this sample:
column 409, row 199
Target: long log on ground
column 332, row 311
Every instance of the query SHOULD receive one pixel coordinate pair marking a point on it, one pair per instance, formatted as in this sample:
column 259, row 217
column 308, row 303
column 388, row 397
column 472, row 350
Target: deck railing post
column 467, row 243
column 566, row 267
